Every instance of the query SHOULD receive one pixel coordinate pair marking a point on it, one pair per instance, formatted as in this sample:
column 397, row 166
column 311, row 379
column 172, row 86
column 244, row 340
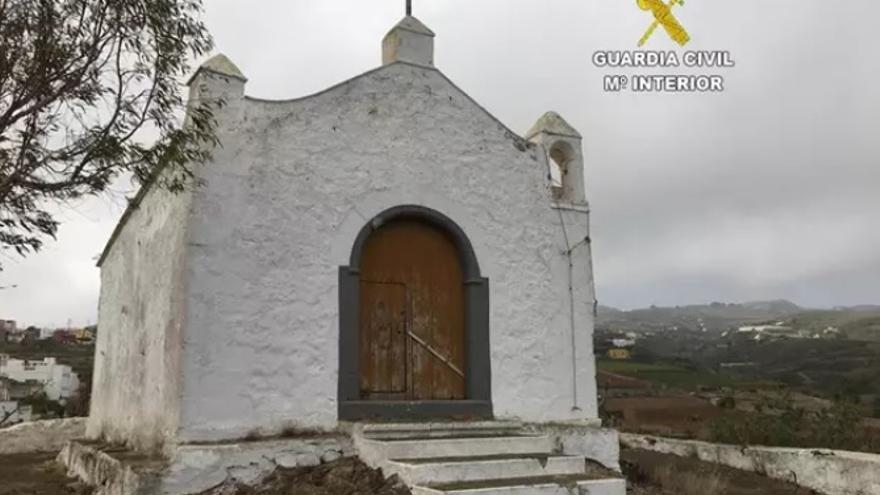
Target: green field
column 631, row 368
column 668, row 375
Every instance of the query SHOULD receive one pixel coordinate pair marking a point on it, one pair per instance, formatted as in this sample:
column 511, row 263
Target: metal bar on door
column 436, row 354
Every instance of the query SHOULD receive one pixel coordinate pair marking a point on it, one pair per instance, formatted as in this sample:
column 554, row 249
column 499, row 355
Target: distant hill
column 864, row 308
column 716, row 316
column 857, row 322
column 779, row 307
column 608, row 311
column 863, row 328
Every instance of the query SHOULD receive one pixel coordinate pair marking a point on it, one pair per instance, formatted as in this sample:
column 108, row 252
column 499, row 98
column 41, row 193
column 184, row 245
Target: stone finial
column 221, row 65
column 553, row 123
column 217, row 78
column 409, row 41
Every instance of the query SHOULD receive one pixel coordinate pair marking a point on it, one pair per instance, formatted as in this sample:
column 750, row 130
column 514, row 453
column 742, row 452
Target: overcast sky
column 768, row 190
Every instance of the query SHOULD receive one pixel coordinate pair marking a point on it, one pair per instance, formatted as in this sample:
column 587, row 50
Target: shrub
column 78, row 405
column 783, row 424
column 687, row 483
column 727, row 402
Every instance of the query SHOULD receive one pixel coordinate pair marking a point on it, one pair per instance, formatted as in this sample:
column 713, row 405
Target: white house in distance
column 59, row 381
column 384, row 250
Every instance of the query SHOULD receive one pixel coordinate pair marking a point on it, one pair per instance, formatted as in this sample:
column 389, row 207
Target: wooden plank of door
column 383, row 341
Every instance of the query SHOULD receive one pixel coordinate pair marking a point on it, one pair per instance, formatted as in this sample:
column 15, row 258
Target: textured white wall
column 136, row 385
column 294, row 183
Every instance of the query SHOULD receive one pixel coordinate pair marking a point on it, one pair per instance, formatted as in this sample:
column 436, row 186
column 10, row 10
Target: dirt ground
column 344, row 477
column 36, row 474
column 675, row 416
column 650, row 473
column 682, row 415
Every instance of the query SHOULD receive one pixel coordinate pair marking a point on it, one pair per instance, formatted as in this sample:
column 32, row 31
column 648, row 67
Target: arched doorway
column 412, row 339
column 414, row 322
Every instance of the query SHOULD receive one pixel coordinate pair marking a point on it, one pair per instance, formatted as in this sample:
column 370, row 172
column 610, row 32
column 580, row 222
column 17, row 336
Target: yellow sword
column 663, row 16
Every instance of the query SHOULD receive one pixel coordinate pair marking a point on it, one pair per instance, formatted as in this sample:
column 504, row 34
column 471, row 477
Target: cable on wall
column 569, row 249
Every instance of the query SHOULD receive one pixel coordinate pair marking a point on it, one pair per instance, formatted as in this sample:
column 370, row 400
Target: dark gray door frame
column 478, row 404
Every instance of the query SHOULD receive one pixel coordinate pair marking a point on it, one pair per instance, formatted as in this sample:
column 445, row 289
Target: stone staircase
column 483, row 458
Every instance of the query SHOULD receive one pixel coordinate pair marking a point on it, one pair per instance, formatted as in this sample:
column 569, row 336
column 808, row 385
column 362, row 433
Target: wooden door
column 412, row 333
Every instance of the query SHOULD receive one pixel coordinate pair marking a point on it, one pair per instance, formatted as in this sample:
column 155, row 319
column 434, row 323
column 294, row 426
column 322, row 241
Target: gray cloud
column 769, row 189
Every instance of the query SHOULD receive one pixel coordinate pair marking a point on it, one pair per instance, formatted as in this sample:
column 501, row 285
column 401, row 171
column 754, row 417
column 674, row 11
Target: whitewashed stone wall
column 196, row 468
column 294, row 183
column 136, row 385
column 831, row 472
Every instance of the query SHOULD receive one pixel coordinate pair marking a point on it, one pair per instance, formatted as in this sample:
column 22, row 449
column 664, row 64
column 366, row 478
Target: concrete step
column 467, row 469
column 379, row 431
column 548, row 485
column 464, row 446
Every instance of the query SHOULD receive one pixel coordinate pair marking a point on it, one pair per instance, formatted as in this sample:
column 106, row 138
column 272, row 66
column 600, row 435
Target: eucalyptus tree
column 90, row 90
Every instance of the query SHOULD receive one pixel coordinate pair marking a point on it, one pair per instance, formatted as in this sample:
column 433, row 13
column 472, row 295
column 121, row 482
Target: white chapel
column 382, row 251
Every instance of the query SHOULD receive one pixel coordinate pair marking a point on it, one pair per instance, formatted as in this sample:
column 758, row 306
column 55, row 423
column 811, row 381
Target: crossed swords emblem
column 663, row 17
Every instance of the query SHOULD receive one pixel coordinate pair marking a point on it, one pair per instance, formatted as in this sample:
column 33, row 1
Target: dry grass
column 36, row 474
column 687, row 483
column 672, row 475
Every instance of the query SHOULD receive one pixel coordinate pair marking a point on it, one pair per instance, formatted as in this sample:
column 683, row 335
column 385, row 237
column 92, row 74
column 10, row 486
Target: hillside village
column 38, row 379
column 856, row 322
column 769, row 373
column 725, row 325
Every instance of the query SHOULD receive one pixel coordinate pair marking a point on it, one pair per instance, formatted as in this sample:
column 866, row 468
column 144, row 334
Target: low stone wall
column 41, row 436
column 831, row 472
column 108, row 472
column 195, row 468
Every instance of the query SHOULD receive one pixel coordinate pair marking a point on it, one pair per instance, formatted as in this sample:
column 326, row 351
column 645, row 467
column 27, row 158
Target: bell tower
column 565, row 159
